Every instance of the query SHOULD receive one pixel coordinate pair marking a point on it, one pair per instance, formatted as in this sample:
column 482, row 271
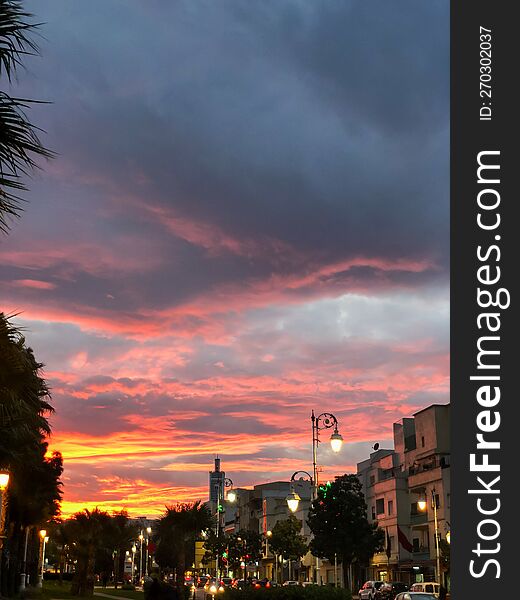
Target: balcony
column 423, row 553
column 420, row 518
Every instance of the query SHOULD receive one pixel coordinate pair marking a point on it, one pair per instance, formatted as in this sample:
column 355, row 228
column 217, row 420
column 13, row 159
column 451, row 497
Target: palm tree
column 122, row 532
column 24, row 396
column 177, row 531
column 34, row 492
column 19, row 140
column 87, row 532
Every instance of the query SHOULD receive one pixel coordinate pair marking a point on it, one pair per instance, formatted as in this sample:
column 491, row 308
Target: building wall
column 395, row 480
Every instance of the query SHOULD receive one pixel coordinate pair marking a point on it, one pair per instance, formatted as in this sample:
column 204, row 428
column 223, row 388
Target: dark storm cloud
column 324, row 127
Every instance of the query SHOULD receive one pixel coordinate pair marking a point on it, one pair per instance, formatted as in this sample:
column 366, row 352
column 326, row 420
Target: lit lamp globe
column 43, row 533
column 448, row 537
column 336, row 441
column 232, row 495
column 4, row 480
column 421, row 503
column 148, row 530
column 293, row 500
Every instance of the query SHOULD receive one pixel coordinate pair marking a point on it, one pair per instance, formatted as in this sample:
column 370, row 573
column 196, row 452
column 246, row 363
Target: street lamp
column 231, row 496
column 421, row 505
column 293, row 499
column 141, row 538
column 4, row 480
column 134, row 550
column 43, row 540
column 148, row 531
column 319, row 423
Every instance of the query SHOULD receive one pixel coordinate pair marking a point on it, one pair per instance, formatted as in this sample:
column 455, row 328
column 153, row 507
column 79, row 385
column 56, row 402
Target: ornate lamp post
column 293, row 499
column 231, row 496
column 319, row 423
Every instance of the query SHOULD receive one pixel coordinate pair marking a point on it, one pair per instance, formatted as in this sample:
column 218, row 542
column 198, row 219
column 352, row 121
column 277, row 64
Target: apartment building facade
column 396, row 483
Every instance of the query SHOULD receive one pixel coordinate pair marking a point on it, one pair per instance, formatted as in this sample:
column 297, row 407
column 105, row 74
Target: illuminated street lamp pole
column 319, row 423
column 134, row 550
column 43, row 540
column 231, row 496
column 148, row 531
column 421, row 505
column 141, row 538
column 4, row 482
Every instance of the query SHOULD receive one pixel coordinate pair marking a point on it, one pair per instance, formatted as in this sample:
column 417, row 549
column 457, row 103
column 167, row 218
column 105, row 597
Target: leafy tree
column 122, row 532
column 244, row 546
column 177, row 531
column 19, row 141
column 287, row 541
column 215, row 547
column 338, row 521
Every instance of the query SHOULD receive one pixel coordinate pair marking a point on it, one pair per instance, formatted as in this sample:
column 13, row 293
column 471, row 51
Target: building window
column 422, row 441
column 372, row 479
column 380, row 506
column 373, row 512
column 390, row 507
column 437, row 501
column 448, row 500
column 415, row 544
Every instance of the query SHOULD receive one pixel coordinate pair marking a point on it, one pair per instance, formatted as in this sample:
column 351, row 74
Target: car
column 429, row 587
column 291, row 582
column 211, row 589
column 262, row 583
column 307, row 583
column 226, row 581
column 201, row 581
column 415, row 596
column 390, row 589
column 369, row 590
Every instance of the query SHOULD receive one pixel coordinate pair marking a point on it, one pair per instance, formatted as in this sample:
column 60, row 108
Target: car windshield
column 378, row 584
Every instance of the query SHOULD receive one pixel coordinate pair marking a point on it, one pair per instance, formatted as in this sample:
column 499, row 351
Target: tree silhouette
column 339, row 523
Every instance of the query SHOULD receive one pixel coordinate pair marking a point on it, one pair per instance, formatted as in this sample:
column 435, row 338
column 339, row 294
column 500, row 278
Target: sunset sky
column 247, row 219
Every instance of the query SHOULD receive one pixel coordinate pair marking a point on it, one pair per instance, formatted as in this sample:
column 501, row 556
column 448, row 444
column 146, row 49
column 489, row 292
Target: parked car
column 291, row 583
column 262, row 583
column 226, row 581
column 201, row 581
column 429, row 587
column 369, row 590
column 415, row 596
column 390, row 589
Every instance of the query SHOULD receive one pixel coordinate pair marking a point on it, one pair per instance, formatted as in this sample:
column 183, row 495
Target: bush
column 128, row 586
column 313, row 592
